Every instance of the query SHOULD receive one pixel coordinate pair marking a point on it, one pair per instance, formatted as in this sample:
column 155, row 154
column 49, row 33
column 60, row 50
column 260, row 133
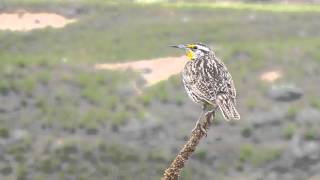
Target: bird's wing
column 219, row 82
column 231, row 90
column 226, row 95
column 190, row 91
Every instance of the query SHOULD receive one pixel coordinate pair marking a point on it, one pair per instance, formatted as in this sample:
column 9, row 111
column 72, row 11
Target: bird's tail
column 227, row 107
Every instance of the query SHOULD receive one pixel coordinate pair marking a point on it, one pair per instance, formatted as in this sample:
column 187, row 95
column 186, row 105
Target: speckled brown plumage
column 207, row 81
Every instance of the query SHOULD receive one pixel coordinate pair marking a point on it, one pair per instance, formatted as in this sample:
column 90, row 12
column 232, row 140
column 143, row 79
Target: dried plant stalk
column 173, row 172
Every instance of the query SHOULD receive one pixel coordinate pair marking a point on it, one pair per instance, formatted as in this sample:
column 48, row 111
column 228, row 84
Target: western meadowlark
column 208, row 82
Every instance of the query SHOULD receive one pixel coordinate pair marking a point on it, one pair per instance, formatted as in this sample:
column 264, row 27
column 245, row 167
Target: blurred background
column 91, row 89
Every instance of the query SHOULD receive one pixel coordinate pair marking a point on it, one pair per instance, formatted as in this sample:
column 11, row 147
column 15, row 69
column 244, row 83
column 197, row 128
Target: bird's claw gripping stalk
column 205, row 112
column 198, row 123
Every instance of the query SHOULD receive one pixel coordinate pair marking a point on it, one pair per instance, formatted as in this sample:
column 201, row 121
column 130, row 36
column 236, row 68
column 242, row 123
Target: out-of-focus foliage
column 62, row 119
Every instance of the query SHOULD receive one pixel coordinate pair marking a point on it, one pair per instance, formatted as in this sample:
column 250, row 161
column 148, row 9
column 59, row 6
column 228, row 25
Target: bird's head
column 194, row 50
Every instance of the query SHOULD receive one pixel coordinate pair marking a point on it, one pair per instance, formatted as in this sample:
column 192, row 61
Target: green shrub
column 246, row 132
column 158, row 155
column 4, row 86
column 119, row 153
column 187, row 174
column 48, row 164
column 42, row 104
column 93, row 118
column 25, row 85
column 22, row 173
column 292, row 112
column 141, row 115
column 146, row 100
column 4, row 132
column 44, row 76
column 179, row 100
column 289, row 130
column 162, row 94
column 201, row 154
column 246, row 152
column 258, row 155
column 310, row 134
column 6, row 170
column 92, row 94
column 315, row 102
column 119, row 118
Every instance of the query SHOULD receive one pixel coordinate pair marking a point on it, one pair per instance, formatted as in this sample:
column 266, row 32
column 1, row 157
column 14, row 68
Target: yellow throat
column 190, row 54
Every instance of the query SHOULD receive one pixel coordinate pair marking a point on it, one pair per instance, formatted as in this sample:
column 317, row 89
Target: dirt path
column 26, row 21
column 153, row 71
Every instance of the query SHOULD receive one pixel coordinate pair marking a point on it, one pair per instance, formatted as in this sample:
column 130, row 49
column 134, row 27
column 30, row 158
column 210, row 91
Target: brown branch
column 172, row 173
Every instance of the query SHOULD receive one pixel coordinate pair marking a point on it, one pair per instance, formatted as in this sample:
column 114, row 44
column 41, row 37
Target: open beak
column 180, row 46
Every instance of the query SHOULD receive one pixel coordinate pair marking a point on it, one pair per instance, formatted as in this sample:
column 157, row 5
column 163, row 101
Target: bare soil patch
column 153, row 71
column 27, row 21
column 271, row 76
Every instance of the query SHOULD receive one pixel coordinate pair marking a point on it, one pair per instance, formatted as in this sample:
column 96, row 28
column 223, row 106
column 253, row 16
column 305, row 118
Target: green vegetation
column 103, row 43
column 146, row 99
column 289, row 130
column 22, row 173
column 71, row 114
column 201, row 154
column 186, row 174
column 258, row 155
column 315, row 102
column 251, row 103
column 65, row 160
column 4, row 87
column 161, row 93
column 165, row 92
column 158, row 155
column 179, row 100
column 246, row 132
column 4, row 132
column 247, row 6
column 310, row 134
column 292, row 112
column 290, row 8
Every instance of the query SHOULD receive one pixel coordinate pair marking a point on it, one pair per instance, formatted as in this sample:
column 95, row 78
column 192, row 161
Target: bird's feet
column 202, row 129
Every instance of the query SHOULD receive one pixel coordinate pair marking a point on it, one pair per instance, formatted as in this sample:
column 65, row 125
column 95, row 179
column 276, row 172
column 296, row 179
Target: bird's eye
column 195, row 47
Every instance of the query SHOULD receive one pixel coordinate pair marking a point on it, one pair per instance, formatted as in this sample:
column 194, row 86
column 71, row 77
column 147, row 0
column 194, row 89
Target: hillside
column 61, row 118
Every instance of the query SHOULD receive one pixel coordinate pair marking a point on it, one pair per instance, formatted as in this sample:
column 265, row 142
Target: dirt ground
column 26, row 21
column 153, row 71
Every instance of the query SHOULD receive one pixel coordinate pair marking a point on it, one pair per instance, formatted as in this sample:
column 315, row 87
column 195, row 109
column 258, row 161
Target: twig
column 172, row 173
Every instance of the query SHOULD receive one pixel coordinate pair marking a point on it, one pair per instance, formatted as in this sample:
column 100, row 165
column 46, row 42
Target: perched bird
column 208, row 82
